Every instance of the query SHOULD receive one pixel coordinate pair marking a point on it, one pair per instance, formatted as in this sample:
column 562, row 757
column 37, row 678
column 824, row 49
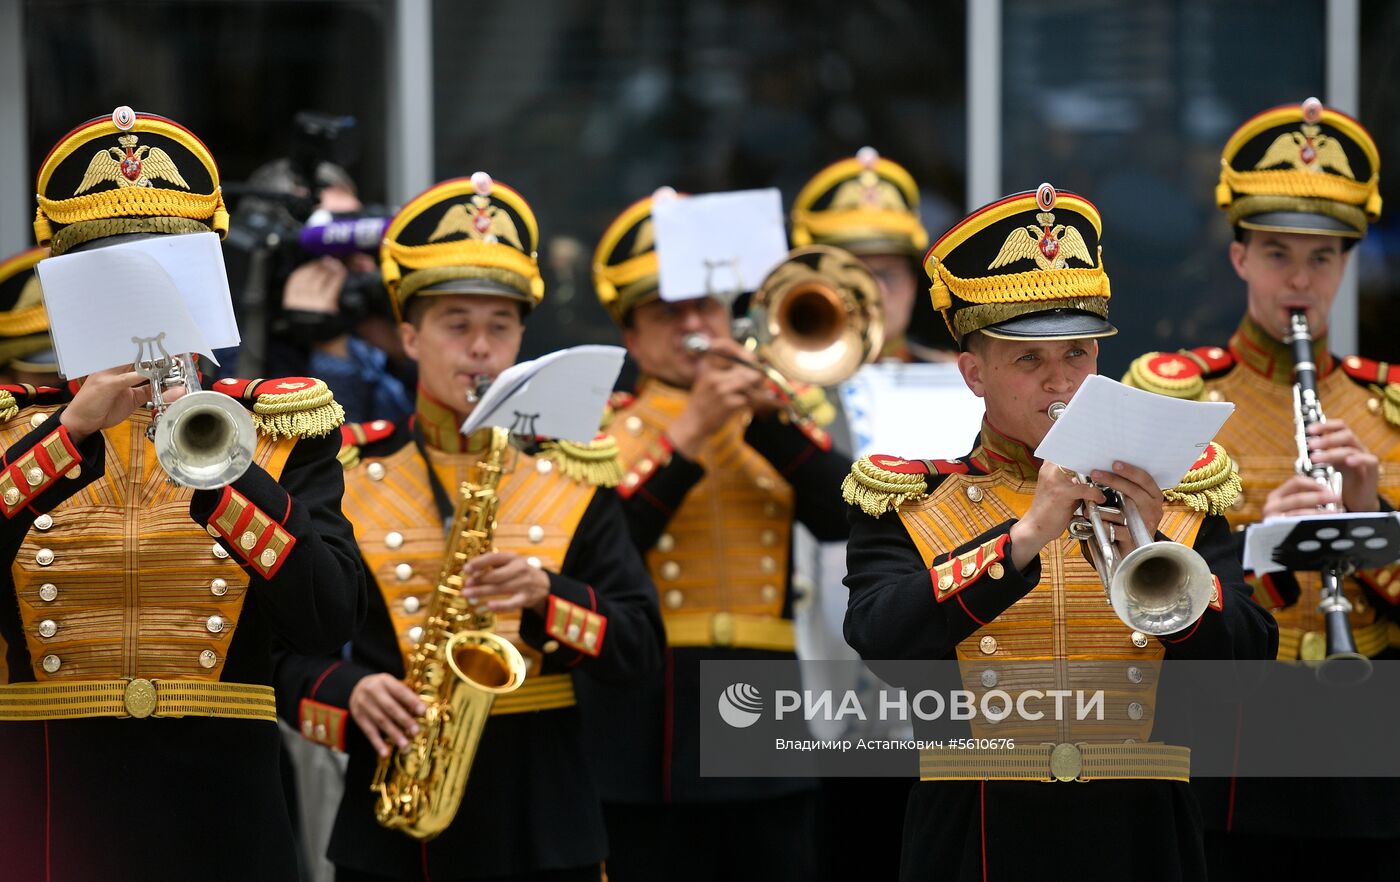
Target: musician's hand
column 105, row 399
column 1335, row 444
column 1298, row 496
column 1136, row 485
column 315, row 286
column 721, row 390
column 385, row 710
column 513, row 581
column 1057, row 495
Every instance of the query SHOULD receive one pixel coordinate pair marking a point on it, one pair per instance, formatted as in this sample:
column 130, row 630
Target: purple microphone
column 346, row 236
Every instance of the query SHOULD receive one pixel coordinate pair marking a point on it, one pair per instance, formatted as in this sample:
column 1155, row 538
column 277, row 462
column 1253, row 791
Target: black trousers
column 575, row 874
column 765, row 840
column 1234, row 857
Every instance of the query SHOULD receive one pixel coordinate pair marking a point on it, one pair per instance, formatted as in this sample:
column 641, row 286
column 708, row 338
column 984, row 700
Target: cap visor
column 1299, row 222
column 474, row 286
column 1054, row 324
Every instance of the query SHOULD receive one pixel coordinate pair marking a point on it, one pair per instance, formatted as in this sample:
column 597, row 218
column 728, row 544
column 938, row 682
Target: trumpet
column 817, row 318
column 1307, row 411
column 1158, row 588
column 203, row 440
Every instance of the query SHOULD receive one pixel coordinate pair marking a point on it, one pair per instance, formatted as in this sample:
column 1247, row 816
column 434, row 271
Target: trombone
column 817, row 318
column 1158, row 588
column 203, row 439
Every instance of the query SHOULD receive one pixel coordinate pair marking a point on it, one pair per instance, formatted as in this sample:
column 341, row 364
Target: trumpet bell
column 820, row 315
column 205, row 440
column 1161, row 588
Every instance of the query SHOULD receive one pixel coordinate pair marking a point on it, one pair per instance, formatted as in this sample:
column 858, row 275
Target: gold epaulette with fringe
column 1380, row 377
column 290, row 407
column 354, row 436
column 18, row 396
column 1212, row 484
column 879, row 483
column 595, row 463
column 8, row 405
column 1167, row 373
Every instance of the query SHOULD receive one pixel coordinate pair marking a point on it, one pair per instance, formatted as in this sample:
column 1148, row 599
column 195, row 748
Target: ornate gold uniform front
column 720, row 564
column 400, row 532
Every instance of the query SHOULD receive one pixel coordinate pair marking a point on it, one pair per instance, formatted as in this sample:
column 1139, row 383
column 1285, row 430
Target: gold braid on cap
column 112, row 206
column 1210, row 488
column 595, row 463
column 464, row 257
column 810, row 226
column 1299, row 185
column 875, row 490
column 997, row 298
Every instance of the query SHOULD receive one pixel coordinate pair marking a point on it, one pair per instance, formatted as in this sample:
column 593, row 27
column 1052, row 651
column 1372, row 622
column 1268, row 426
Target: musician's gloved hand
column 385, row 709
column 1057, row 495
column 1134, row 484
column 1335, row 444
column 721, row 389
column 509, row 580
column 1298, row 496
column 106, row 399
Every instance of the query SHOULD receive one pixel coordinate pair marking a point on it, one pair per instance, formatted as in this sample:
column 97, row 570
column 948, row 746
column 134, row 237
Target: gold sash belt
column 137, row 698
column 1057, row 762
column 547, row 692
column 730, row 629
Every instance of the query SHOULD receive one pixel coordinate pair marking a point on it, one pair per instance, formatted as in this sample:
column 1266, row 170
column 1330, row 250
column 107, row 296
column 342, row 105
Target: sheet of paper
column 718, row 244
column 1107, row 421
column 559, row 395
column 1263, row 538
column 914, row 410
column 98, row 301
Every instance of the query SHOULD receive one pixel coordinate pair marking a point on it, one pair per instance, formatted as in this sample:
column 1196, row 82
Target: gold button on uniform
column 1134, row 674
column 12, row 496
column 410, row 604
column 987, row 644
column 1135, row 711
column 394, row 540
column 51, row 663
column 989, row 678
column 771, row 509
column 768, row 592
column 1352, row 362
column 43, row 557
column 1373, row 405
column 573, row 631
column 551, row 646
column 764, row 482
column 767, row 565
column 665, row 542
column 974, row 493
column 633, row 424
column 376, row 471
column 320, row 731
column 1215, row 395
column 48, row 628
column 38, row 419
column 208, row 658
column 945, row 582
column 673, row 599
column 267, row 558
column 670, row 570
column 220, row 552
column 48, row 592
column 218, row 587
column 212, row 531
column 248, row 540
column 43, row 522
column 34, row 476
column 403, row 572
column 415, row 633
column 968, row 568
column 631, row 480
column 996, row 570
column 1139, row 639
column 215, row 624
column 768, row 538
column 544, row 466
column 306, row 728
column 535, row 534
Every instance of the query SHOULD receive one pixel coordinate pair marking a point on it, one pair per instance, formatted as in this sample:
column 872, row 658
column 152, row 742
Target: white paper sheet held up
column 98, row 300
column 559, row 395
column 911, row 410
column 719, row 243
column 1107, row 421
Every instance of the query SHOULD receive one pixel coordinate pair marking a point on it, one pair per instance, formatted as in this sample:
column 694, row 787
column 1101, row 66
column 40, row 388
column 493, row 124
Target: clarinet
column 1307, row 411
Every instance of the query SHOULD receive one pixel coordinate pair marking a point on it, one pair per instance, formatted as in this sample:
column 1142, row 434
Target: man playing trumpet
column 1299, row 184
column 970, row 558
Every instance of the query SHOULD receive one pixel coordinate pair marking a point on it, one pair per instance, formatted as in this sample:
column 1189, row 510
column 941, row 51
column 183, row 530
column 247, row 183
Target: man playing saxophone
column 564, row 584
column 1299, row 184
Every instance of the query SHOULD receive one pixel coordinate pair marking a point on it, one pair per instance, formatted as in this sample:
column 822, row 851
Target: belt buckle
column 722, row 629
column 1066, row 762
column 140, row 697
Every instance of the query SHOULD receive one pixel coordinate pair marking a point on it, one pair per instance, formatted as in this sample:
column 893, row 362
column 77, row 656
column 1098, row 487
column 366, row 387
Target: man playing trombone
column 139, row 613
column 1299, row 184
column 970, row 558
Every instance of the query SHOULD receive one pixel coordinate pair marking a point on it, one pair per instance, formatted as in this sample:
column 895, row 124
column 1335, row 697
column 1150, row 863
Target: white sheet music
column 1107, row 421
column 914, row 410
column 559, row 395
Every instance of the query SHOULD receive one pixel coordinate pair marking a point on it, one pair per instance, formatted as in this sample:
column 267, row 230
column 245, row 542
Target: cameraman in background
column 311, row 295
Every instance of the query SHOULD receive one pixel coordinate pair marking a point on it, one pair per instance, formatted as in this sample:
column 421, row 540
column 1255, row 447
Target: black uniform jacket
column 194, row 797
column 531, row 803
column 1002, row 830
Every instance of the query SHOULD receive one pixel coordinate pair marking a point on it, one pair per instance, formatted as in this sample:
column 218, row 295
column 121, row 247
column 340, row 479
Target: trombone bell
column 205, row 440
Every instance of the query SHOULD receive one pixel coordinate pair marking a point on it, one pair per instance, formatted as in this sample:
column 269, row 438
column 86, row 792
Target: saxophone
column 458, row 668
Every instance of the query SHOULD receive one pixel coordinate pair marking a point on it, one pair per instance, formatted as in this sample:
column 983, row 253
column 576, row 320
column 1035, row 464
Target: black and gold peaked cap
column 127, row 173
column 865, row 204
column 463, row 236
column 1301, row 168
column 24, row 323
column 1025, row 267
column 626, row 272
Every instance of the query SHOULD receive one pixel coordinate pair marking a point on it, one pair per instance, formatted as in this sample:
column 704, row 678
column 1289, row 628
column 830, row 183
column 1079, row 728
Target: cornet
column 817, row 318
column 1158, row 588
column 203, row 440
